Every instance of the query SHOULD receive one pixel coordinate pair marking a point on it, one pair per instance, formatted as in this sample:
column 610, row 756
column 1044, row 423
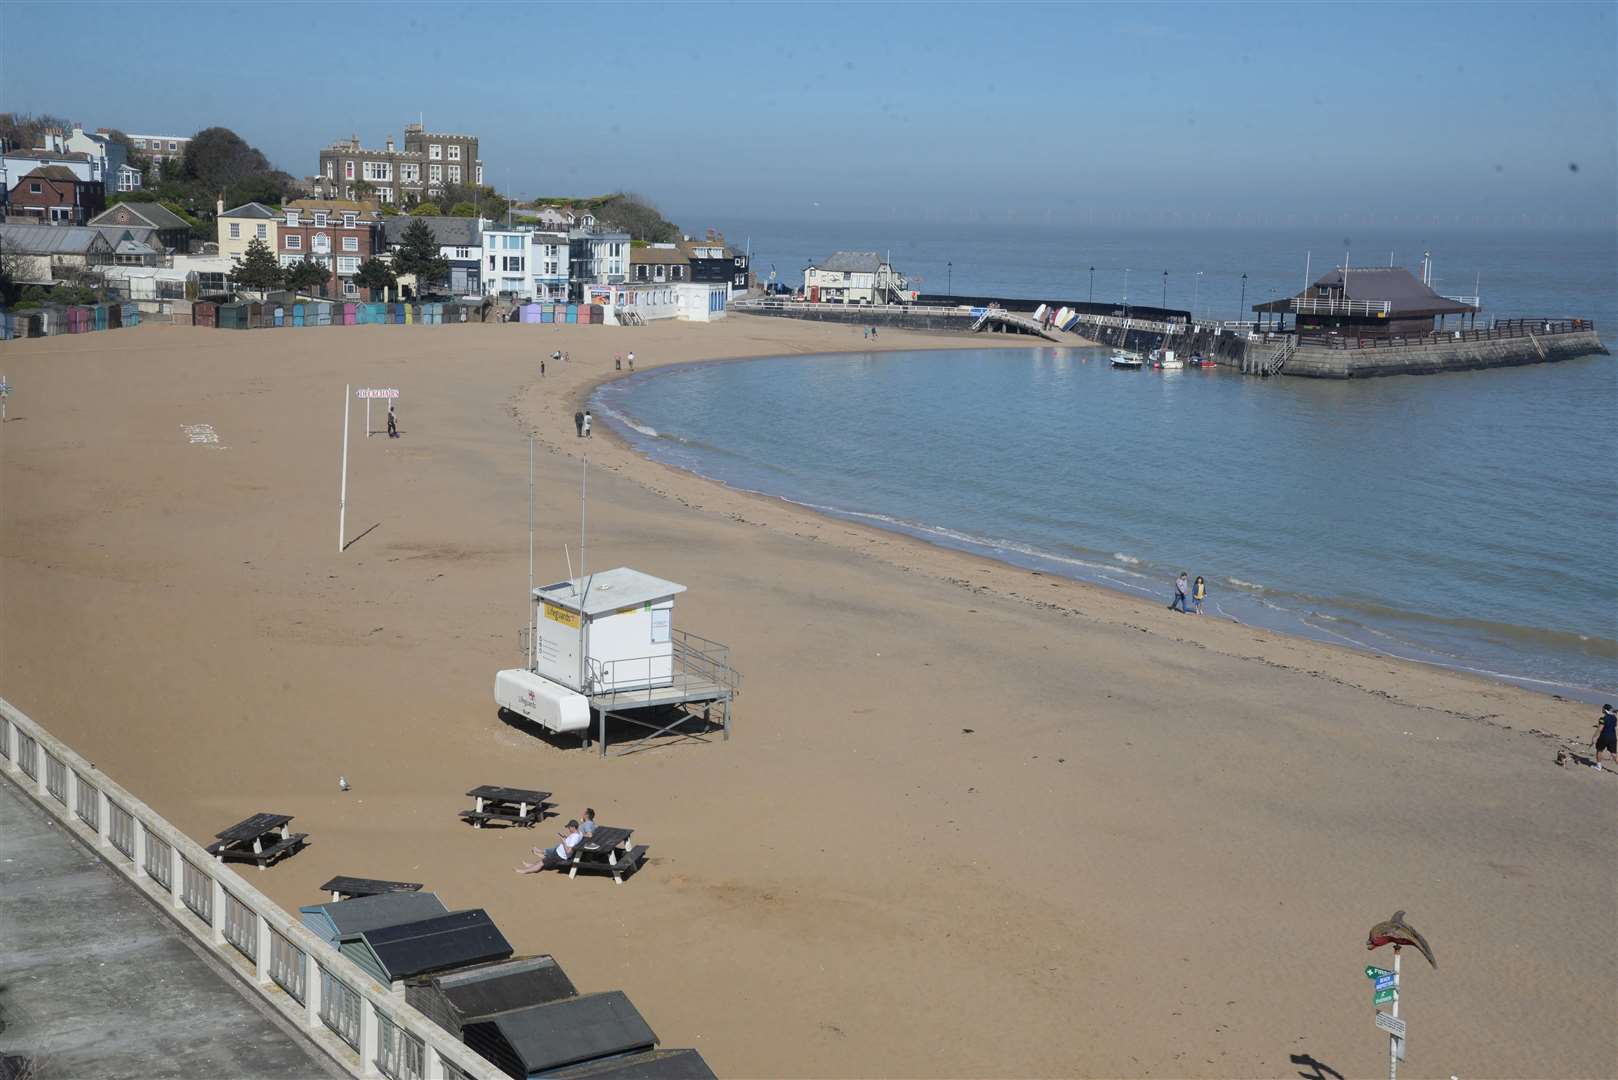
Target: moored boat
column 1131, row 361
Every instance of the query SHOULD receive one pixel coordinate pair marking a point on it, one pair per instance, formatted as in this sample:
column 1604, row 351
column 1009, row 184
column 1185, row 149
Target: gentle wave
column 1127, row 559
column 613, row 414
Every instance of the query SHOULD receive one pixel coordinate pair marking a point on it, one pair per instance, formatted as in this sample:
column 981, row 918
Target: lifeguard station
column 606, row 644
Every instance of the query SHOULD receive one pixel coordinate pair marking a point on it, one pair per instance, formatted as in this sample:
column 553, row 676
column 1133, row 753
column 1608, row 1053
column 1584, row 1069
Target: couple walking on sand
column 1197, row 592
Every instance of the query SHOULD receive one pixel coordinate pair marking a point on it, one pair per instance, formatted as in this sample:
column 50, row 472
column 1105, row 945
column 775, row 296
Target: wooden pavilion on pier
column 1369, row 302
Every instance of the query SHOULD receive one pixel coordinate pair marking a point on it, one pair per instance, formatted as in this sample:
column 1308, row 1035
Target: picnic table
column 518, row 807
column 261, row 839
column 607, row 851
column 343, row 887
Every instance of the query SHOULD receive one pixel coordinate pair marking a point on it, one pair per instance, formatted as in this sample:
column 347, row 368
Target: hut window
column 660, row 625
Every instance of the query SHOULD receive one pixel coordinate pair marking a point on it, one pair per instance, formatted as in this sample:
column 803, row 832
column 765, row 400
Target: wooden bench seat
column 479, row 817
column 628, row 862
column 278, row 850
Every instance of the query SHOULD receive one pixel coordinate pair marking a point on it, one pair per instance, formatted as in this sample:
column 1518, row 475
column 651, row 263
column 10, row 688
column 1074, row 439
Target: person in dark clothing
column 1607, row 735
column 578, row 423
column 393, row 423
column 541, row 367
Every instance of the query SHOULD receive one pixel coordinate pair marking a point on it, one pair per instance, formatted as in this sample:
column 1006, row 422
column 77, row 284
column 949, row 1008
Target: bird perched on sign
column 1396, row 932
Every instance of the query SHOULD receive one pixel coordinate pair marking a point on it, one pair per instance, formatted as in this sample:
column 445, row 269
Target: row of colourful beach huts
column 587, row 314
column 254, row 315
column 66, row 319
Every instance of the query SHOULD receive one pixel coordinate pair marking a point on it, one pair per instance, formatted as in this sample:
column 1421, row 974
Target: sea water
column 1467, row 519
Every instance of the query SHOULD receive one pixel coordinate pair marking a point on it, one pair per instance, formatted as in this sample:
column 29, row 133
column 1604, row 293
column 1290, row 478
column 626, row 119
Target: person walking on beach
column 1607, row 735
column 578, row 424
column 1199, row 593
column 631, row 359
column 1182, row 585
column 617, row 363
column 541, row 367
column 393, row 422
column 586, row 423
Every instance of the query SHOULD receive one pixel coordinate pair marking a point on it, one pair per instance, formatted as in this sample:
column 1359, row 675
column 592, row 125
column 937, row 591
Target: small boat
column 1131, row 361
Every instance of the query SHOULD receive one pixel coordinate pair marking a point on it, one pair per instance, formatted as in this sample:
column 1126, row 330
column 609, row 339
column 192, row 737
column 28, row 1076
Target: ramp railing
column 339, row 1007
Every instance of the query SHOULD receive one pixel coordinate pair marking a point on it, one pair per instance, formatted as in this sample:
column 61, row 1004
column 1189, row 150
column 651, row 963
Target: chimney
column 390, row 142
column 219, row 207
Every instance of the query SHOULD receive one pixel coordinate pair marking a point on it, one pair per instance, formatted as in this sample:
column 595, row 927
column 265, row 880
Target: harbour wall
column 1431, row 357
column 907, row 317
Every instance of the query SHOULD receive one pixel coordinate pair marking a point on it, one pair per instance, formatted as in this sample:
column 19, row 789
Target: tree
column 636, row 216
column 374, row 274
column 307, row 275
column 463, row 209
column 485, row 200
column 217, row 158
column 425, row 209
column 257, row 268
column 419, row 256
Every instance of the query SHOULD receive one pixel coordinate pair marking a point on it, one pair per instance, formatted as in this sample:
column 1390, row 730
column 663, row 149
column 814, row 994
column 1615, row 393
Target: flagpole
column 342, row 500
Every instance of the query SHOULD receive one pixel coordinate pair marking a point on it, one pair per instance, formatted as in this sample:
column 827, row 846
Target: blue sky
column 1375, row 114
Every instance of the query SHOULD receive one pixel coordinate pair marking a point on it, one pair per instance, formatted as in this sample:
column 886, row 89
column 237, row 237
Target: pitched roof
column 416, row 948
column 49, row 155
column 332, row 921
column 334, row 205
column 651, row 1065
column 52, row 239
column 53, row 172
column 657, row 256
column 859, row 262
column 480, row 992
column 571, row 1031
column 155, row 215
column 1403, row 291
column 251, row 210
column 448, row 231
column 133, row 247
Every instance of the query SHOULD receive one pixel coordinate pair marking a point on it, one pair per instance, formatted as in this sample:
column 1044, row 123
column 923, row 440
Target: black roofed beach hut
column 1369, row 301
column 457, row 998
column 335, row 920
column 653, row 1065
column 536, row 1040
column 455, row 940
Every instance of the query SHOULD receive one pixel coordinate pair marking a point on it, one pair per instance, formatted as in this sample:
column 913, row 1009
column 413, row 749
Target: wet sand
column 972, row 820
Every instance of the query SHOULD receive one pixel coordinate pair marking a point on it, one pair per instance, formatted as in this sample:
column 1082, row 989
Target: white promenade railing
column 363, row 1026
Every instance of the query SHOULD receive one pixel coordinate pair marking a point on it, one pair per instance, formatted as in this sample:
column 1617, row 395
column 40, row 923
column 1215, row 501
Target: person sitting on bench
column 588, row 828
column 557, row 857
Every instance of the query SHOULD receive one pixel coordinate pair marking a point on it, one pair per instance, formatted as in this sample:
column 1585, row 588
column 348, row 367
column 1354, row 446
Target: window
column 480, row 174
column 491, row 262
column 378, row 170
column 292, row 218
column 289, row 260
column 173, row 146
column 410, row 174
column 293, row 242
column 322, row 242
column 435, row 151
column 463, row 253
column 384, row 195
column 513, row 243
column 550, row 267
column 331, row 169
column 348, row 264
column 348, row 170
column 235, row 230
column 320, row 218
column 455, row 174
column 263, row 231
column 435, row 173
column 454, row 152
column 350, row 289
column 512, row 262
column 140, row 144
column 351, row 243
column 350, row 219
column 34, row 187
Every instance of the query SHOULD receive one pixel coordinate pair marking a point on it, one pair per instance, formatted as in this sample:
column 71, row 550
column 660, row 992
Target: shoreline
column 586, row 394
column 948, row 781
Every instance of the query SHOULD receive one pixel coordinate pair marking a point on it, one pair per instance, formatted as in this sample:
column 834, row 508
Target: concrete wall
column 1425, row 359
column 855, row 315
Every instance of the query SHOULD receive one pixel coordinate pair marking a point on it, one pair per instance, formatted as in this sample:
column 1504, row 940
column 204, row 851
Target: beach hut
column 350, row 313
column 330, row 922
column 278, row 315
column 205, row 313
column 573, row 313
column 684, row 1064
column 540, row 1039
column 34, row 324
column 233, row 316
column 180, row 312
column 102, row 317
column 397, row 952
column 5, row 326
column 255, row 315
column 378, row 313
column 455, row 998
column 114, row 315
column 322, row 313
column 398, row 315
column 131, row 312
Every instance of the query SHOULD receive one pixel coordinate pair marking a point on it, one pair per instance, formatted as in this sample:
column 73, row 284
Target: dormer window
column 320, row 219
column 349, row 221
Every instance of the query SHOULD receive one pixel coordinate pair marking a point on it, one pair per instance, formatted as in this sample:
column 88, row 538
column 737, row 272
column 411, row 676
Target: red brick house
column 52, row 194
column 339, row 233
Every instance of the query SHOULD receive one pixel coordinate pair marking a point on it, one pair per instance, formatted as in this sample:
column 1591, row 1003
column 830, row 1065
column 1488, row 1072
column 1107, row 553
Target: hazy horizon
column 1175, row 116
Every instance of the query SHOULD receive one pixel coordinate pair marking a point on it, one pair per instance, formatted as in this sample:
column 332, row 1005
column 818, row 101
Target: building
column 459, row 241
column 238, row 228
column 712, row 262
column 1369, row 302
column 524, row 262
column 119, row 174
column 565, row 217
column 854, row 277
column 45, row 254
column 337, row 233
column 161, row 148
column 15, row 163
column 173, row 231
column 596, row 257
column 654, row 264
column 52, row 194
column 417, row 173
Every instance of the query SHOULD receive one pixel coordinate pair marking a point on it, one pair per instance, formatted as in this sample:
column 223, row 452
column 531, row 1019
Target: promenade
column 95, row 982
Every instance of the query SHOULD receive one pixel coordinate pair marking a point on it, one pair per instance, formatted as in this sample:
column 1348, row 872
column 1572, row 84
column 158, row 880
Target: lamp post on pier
column 1165, row 290
column 1092, row 284
column 1243, row 305
column 949, row 278
column 1126, row 292
column 1196, row 287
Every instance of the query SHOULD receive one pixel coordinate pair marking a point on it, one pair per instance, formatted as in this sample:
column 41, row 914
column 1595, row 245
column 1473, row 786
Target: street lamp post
column 1196, row 287
column 1126, row 292
column 1165, row 289
column 1092, row 284
column 1243, row 305
column 949, row 278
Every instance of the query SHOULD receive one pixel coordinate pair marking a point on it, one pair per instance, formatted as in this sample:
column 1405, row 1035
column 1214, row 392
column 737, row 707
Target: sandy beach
column 972, row 821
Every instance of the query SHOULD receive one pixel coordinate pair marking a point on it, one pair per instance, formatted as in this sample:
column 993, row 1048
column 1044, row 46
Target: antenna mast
column 530, row 548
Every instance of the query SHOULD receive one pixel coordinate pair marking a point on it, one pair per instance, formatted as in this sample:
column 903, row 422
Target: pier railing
column 1331, row 305
column 1501, row 329
column 361, row 1025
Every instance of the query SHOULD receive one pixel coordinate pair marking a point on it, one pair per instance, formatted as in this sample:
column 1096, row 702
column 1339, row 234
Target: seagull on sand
column 1397, row 932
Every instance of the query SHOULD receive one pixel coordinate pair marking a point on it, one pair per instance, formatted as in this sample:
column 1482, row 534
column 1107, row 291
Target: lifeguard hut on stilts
column 604, row 647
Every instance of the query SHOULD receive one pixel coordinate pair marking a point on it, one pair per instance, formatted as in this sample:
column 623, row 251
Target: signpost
column 1385, row 990
column 1382, row 997
column 368, row 393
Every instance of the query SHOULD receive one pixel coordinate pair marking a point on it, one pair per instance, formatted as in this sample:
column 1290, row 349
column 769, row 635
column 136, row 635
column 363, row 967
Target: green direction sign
column 1376, row 972
column 1382, row 997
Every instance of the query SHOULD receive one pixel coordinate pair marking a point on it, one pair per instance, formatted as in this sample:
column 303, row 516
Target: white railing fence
column 363, row 1026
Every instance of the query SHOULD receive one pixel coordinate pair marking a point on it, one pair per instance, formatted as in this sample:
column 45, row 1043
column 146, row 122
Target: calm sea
column 1469, row 519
